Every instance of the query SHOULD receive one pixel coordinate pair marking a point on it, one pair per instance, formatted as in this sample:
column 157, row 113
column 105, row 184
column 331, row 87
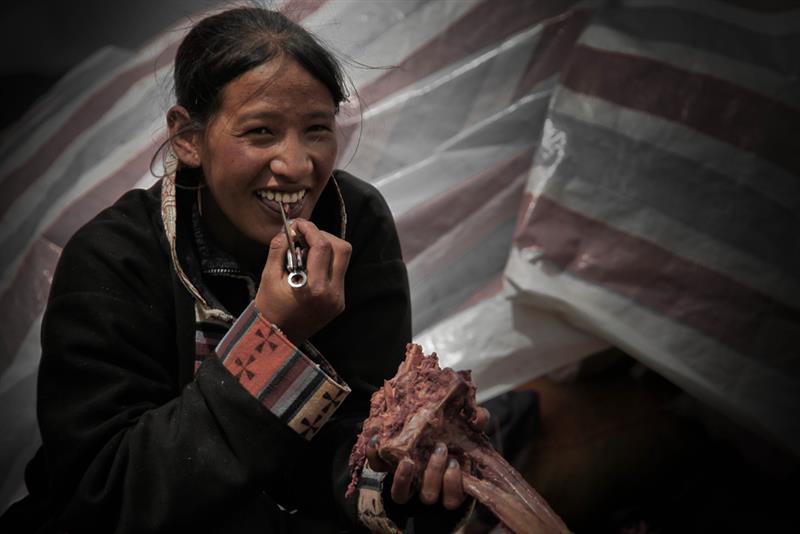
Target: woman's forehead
column 277, row 84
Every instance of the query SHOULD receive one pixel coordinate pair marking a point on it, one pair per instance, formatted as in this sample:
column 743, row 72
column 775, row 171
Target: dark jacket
column 134, row 440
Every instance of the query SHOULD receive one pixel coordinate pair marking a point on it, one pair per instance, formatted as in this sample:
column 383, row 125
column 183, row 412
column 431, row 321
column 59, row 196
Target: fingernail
column 452, row 464
column 373, row 440
column 441, row 448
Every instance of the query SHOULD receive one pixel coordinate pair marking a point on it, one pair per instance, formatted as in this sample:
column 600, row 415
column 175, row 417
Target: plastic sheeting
column 631, row 156
column 662, row 212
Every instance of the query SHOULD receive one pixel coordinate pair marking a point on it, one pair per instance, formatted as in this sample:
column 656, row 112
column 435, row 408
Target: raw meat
column 424, row 404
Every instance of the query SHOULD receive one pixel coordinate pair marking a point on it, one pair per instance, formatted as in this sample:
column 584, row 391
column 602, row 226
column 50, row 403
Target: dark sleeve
column 127, row 450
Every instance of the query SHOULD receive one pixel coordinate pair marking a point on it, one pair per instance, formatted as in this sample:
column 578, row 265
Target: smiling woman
column 182, row 381
column 273, row 135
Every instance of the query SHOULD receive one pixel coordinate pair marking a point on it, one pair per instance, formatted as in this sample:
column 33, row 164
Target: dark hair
column 224, row 46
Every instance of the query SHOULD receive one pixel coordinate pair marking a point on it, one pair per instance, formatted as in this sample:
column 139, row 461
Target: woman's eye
column 261, row 130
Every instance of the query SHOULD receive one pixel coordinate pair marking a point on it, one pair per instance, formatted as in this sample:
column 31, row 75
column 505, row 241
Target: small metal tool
column 294, row 256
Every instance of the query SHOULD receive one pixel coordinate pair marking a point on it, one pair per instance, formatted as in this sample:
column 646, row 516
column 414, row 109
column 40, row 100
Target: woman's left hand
column 440, row 479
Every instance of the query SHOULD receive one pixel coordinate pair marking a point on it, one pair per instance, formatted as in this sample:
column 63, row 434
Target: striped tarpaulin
column 591, row 141
column 662, row 212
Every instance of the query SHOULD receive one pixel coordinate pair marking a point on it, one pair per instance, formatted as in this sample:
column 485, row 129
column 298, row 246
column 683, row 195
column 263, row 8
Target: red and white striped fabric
column 643, row 218
column 662, row 212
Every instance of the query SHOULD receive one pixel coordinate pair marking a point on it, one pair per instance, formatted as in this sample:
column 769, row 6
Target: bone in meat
column 424, row 404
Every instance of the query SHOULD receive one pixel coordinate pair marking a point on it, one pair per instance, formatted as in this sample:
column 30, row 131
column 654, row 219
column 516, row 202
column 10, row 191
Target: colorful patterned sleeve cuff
column 371, row 510
column 301, row 389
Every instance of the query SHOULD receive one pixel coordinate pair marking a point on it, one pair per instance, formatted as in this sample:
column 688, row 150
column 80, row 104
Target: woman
column 183, row 382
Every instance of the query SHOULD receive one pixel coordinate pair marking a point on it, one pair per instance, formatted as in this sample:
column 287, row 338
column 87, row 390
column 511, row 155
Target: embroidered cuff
column 371, row 512
column 302, row 390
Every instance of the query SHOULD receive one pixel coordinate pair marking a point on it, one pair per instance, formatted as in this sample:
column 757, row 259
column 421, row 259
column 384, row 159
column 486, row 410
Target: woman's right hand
column 301, row 312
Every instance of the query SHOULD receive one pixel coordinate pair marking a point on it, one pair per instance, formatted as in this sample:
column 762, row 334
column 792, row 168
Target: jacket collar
column 169, row 216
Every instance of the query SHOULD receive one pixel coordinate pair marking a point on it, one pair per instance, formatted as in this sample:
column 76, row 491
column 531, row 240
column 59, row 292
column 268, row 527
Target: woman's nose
column 292, row 160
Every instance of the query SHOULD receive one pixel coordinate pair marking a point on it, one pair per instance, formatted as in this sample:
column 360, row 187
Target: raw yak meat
column 424, row 404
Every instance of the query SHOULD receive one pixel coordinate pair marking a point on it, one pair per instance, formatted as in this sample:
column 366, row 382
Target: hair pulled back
column 224, row 46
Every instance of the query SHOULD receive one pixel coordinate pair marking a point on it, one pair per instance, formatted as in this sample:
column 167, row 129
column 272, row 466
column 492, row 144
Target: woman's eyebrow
column 271, row 115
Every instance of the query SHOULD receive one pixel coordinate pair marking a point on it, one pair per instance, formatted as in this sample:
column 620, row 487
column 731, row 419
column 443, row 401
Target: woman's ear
column 184, row 139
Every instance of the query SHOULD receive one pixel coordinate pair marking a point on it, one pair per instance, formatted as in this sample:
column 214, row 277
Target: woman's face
column 273, row 138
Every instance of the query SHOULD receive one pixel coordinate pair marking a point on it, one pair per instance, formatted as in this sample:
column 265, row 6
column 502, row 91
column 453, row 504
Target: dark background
column 40, row 40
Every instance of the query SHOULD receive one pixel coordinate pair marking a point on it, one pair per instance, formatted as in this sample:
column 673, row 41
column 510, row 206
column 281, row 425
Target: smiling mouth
column 273, row 199
column 280, row 196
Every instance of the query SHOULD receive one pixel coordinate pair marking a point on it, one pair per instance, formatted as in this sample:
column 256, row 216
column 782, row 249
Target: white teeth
column 279, row 196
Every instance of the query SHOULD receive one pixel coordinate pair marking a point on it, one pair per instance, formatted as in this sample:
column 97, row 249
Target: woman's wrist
column 266, row 313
